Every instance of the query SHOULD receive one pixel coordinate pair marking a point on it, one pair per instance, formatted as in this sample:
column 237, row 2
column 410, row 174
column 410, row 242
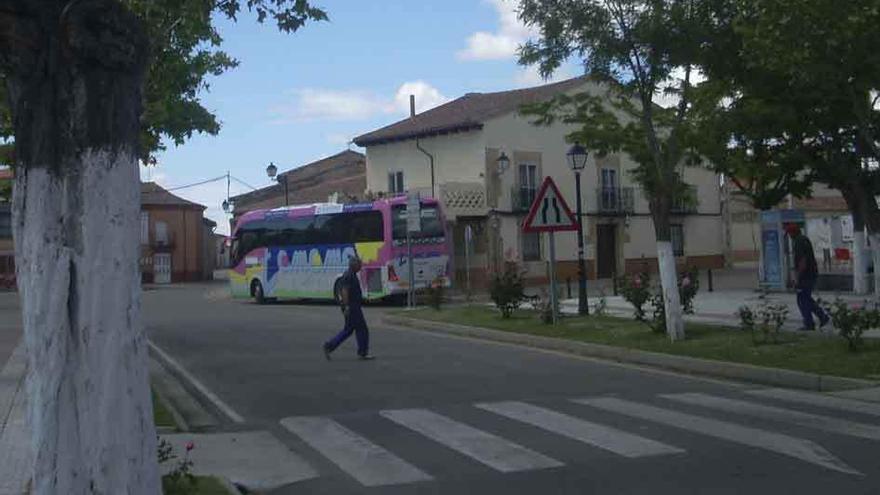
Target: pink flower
column 190, row 445
column 637, row 282
column 685, row 282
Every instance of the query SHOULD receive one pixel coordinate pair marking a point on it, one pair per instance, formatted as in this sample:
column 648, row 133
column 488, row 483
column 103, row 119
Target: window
column 676, row 236
column 161, row 233
column 528, row 184
column 5, row 222
column 609, row 189
column 395, row 182
column 145, row 228
column 531, row 246
column 432, row 224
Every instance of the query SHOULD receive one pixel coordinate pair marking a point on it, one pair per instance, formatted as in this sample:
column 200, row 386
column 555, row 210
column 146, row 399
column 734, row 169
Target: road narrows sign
column 549, row 212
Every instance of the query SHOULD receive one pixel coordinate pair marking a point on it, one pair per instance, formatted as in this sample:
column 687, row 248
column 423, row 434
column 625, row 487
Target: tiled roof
column 154, row 195
column 343, row 172
column 465, row 113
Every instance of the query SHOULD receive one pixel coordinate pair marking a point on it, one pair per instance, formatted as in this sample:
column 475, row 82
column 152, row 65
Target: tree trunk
column 668, row 274
column 860, row 261
column 75, row 95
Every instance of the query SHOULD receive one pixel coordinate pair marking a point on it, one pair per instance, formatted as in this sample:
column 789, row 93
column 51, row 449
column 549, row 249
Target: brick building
column 175, row 238
column 342, row 175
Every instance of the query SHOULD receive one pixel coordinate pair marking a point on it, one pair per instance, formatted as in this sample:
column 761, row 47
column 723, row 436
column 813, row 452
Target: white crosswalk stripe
column 816, row 421
column 365, row 461
column 812, row 399
column 604, row 437
column 486, row 448
column 797, row 448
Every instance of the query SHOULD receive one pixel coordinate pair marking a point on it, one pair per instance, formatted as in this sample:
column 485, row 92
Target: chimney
column 412, row 106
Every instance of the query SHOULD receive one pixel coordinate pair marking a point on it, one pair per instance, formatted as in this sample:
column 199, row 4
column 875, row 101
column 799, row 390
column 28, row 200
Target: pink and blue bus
column 298, row 252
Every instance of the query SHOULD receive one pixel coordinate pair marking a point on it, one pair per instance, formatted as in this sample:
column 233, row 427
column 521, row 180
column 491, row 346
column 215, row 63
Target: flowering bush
column 180, row 480
column 688, row 285
column 636, row 289
column 767, row 318
column 852, row 321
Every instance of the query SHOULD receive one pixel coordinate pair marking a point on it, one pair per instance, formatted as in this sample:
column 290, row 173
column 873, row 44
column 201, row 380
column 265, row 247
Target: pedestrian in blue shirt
column 351, row 299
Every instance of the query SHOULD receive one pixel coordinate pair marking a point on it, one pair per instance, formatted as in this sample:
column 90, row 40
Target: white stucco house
column 460, row 142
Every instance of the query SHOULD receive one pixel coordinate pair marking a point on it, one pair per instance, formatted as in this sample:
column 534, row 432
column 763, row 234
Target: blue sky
column 297, row 98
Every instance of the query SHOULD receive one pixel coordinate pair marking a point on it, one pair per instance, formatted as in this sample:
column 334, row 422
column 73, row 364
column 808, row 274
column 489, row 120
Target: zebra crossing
column 372, row 462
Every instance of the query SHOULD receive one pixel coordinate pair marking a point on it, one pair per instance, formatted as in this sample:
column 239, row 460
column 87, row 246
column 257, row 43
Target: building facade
column 176, row 239
column 460, row 143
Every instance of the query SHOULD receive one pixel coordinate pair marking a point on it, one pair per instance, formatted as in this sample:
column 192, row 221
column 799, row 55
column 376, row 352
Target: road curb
column 193, row 385
column 719, row 369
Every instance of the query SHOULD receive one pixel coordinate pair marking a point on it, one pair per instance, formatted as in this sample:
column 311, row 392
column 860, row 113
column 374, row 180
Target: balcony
column 615, row 200
column 687, row 203
column 521, row 198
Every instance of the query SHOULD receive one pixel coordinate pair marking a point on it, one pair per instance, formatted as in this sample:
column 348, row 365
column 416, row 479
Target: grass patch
column 205, row 485
column 162, row 417
column 794, row 352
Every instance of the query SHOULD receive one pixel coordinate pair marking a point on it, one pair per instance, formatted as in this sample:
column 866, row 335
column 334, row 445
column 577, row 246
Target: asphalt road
column 440, row 414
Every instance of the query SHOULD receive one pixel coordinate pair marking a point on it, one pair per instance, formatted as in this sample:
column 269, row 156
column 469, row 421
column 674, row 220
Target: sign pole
column 554, row 304
column 410, row 295
column 468, row 238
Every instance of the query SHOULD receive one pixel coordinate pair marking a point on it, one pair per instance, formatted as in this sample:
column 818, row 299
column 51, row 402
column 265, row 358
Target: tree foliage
column 185, row 49
column 637, row 50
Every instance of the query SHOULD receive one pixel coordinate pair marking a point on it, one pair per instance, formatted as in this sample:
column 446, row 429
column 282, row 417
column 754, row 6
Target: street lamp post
column 502, row 164
column 577, row 160
column 272, row 172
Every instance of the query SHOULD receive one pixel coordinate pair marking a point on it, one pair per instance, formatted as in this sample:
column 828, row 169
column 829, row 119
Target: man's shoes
column 326, row 352
column 367, row 357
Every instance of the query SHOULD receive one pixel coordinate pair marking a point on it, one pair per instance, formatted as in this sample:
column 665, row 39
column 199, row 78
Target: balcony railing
column 521, row 198
column 687, row 203
column 615, row 200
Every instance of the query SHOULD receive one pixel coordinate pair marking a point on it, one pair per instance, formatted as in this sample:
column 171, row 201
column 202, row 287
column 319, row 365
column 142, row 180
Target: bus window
column 432, row 224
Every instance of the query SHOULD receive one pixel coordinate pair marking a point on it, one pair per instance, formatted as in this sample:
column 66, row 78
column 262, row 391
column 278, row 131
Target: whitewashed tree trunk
column 860, row 263
column 669, row 286
column 875, row 255
column 74, row 73
column 90, row 411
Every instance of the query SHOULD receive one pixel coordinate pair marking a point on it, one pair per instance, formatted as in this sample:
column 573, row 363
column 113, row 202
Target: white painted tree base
column 669, row 285
column 77, row 243
column 860, row 263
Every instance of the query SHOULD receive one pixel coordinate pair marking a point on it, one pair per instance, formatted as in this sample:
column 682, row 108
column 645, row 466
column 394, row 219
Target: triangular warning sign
column 549, row 212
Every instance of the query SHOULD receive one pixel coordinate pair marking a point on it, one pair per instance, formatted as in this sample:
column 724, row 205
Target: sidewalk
column 720, row 307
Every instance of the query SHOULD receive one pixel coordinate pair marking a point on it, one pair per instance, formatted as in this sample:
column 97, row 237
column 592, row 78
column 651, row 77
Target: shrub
column 636, row 290
column 180, row 480
column 436, row 294
column 544, row 306
column 767, row 320
column 658, row 316
column 507, row 289
column 852, row 321
column 601, row 306
column 688, row 285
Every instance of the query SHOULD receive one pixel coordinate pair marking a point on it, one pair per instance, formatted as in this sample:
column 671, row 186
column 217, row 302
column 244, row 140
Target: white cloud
column 503, row 43
column 312, row 104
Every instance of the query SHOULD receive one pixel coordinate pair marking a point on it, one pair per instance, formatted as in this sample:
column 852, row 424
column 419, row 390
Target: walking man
column 806, row 273
column 351, row 299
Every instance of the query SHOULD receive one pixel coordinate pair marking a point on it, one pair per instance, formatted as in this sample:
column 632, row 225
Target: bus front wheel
column 257, row 292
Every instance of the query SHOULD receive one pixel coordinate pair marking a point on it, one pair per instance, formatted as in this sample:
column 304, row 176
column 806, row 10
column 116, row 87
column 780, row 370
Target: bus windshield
column 432, row 224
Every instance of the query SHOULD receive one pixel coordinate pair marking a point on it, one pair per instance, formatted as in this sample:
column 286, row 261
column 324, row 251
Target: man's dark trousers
column 807, row 304
column 354, row 323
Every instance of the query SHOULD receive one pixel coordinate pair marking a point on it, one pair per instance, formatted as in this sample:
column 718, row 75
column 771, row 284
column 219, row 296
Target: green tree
column 804, row 76
column 90, row 87
column 636, row 50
